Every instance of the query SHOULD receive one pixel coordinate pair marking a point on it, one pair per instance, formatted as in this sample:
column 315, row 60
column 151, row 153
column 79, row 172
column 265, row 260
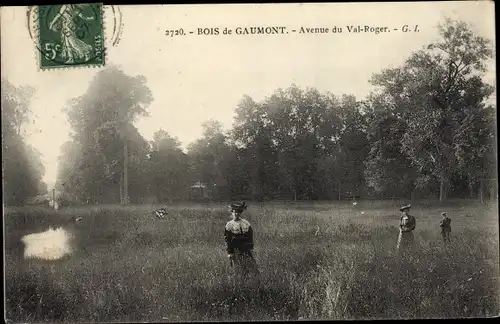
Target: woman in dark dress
column 238, row 235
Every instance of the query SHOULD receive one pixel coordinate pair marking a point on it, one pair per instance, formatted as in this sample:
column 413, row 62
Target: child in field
column 238, row 235
column 445, row 225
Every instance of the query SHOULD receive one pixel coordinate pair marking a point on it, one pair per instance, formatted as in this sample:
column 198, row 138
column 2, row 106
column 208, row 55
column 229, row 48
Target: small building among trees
column 198, row 191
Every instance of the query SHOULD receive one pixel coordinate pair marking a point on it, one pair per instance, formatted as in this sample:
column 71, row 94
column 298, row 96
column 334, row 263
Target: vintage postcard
column 239, row 162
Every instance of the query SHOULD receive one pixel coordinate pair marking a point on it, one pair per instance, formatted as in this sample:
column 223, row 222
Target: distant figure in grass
column 445, row 225
column 161, row 213
column 238, row 235
column 406, row 226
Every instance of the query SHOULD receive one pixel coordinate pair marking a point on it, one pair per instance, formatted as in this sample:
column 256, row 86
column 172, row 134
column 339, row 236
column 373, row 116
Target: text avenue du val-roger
column 280, row 30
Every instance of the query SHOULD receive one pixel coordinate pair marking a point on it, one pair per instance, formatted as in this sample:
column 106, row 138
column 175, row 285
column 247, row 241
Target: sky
column 196, row 78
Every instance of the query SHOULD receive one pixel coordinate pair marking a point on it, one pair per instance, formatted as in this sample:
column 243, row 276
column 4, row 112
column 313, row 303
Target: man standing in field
column 445, row 227
column 238, row 235
column 407, row 224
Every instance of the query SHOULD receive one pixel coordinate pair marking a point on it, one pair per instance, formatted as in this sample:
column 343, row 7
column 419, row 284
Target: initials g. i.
column 407, row 29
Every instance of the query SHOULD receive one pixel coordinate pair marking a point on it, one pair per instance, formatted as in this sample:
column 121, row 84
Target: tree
column 388, row 168
column 168, row 167
column 253, row 139
column 475, row 149
column 295, row 120
column 353, row 145
column 429, row 92
column 102, row 122
column 16, row 106
column 22, row 167
column 301, row 144
column 210, row 156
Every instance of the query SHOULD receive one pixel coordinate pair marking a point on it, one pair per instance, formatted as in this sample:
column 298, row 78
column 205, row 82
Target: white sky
column 196, row 78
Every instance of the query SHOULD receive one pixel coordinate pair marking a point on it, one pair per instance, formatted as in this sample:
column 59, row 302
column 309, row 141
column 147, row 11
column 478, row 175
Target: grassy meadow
column 317, row 261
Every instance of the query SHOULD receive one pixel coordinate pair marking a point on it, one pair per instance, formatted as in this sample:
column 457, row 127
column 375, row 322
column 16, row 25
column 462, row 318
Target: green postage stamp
column 70, row 35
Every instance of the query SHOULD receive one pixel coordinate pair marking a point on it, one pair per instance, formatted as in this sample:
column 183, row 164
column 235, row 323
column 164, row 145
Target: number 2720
column 174, row 32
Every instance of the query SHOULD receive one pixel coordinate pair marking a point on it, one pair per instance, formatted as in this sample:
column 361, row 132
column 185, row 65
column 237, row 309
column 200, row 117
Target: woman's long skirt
column 245, row 267
column 405, row 241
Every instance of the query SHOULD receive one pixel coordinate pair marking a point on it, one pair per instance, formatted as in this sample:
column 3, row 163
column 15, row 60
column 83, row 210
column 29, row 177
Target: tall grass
column 318, row 261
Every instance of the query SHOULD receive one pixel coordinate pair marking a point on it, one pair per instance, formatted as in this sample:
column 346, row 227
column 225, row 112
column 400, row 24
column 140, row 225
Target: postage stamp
column 70, row 35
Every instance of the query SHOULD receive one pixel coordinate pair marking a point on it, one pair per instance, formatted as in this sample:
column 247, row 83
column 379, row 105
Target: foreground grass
column 318, row 261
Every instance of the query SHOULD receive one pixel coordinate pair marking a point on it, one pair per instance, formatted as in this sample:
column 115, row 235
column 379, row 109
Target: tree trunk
column 121, row 189
column 492, row 189
column 471, row 188
column 481, row 186
column 442, row 188
column 125, row 173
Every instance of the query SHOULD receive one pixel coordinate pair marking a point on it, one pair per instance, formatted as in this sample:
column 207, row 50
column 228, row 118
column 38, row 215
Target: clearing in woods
column 318, row 261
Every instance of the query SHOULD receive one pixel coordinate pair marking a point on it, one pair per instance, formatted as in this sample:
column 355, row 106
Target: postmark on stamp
column 70, row 35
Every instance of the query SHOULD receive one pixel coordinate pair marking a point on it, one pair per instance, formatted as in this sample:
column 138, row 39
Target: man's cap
column 239, row 207
column 443, row 214
column 405, row 207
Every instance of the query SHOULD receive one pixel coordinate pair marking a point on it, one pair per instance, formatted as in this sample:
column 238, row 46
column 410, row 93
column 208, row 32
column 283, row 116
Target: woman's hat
column 239, row 207
column 405, row 207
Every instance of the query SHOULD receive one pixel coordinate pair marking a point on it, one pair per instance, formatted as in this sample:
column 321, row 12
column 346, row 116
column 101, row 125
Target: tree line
column 22, row 166
column 426, row 130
